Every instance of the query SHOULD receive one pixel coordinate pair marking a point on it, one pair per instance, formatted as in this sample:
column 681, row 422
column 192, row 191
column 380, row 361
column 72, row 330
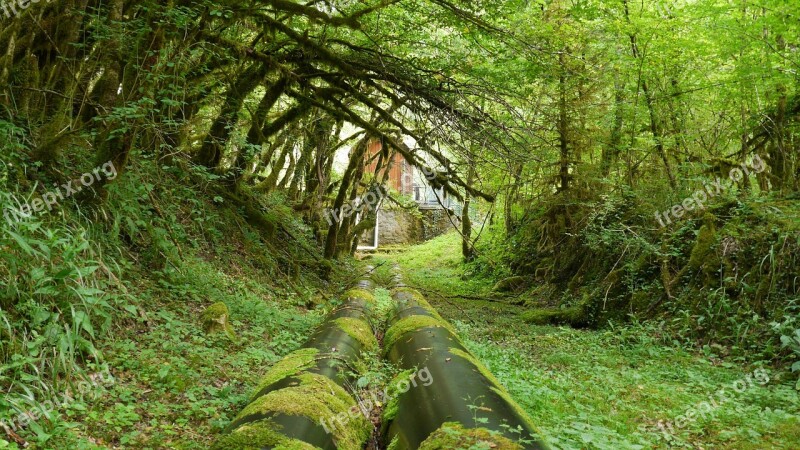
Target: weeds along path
column 617, row 388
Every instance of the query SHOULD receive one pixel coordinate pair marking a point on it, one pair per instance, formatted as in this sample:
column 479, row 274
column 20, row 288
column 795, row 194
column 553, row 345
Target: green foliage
column 717, row 278
column 58, row 297
column 185, row 384
column 574, row 316
column 792, row 342
column 123, row 293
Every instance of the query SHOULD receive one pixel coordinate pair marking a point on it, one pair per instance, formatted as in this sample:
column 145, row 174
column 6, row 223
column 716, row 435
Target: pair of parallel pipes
column 462, row 406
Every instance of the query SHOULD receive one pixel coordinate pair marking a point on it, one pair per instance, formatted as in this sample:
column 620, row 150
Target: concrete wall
column 399, row 227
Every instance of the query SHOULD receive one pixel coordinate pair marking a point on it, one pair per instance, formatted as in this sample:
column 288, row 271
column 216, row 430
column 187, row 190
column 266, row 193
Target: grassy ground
column 104, row 346
column 173, row 385
column 607, row 389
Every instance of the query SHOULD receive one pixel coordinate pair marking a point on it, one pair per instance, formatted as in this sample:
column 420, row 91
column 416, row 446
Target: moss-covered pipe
column 463, row 406
column 303, row 402
column 397, row 278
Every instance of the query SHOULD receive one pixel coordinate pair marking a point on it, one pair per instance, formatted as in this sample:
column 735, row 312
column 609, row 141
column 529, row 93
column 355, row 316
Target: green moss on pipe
column 409, row 324
column 292, row 364
column 360, row 294
column 359, row 330
column 258, row 435
column 319, row 399
column 393, row 394
column 454, row 436
column 437, row 417
column 302, row 403
column 417, row 298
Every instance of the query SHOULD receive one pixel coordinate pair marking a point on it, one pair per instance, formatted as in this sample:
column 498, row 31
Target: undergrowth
column 724, row 278
column 101, row 339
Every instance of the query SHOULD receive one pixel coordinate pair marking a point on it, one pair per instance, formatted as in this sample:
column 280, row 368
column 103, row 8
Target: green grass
column 124, row 297
column 174, row 386
column 603, row 389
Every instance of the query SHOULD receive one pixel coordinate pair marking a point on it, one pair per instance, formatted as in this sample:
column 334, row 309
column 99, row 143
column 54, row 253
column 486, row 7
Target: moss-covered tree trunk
column 211, row 152
column 356, row 162
column 612, row 150
column 255, row 135
column 467, row 249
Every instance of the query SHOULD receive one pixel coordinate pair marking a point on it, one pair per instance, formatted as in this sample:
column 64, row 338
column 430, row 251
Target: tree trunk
column 467, row 249
column 563, row 126
column 211, row 153
column 511, row 198
column 255, row 136
column 356, row 160
column 612, row 150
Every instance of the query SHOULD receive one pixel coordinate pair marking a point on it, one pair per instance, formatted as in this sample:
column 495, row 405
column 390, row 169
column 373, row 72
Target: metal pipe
column 464, row 404
column 305, row 400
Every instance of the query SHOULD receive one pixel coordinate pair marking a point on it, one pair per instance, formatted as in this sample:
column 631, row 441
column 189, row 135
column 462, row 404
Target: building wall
column 401, row 173
column 398, row 226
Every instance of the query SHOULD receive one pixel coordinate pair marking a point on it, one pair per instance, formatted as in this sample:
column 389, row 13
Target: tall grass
column 57, row 297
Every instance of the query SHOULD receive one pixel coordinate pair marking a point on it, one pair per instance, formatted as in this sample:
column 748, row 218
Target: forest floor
column 606, row 389
column 176, row 387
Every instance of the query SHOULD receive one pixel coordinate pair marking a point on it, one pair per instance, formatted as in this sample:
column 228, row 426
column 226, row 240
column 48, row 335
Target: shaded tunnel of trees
column 255, row 94
column 503, row 98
